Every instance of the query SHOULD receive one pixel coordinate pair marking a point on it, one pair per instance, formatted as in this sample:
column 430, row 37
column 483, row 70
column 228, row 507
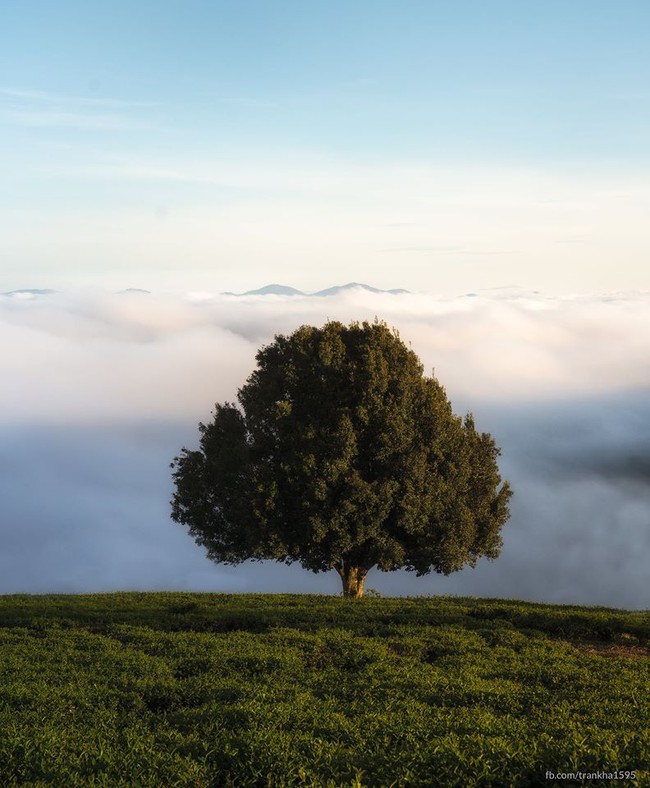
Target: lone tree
column 342, row 454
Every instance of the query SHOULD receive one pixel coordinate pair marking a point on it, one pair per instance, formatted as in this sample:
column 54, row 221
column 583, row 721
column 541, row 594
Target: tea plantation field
column 169, row 689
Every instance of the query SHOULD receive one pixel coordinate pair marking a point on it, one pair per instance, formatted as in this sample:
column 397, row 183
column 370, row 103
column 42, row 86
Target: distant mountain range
column 285, row 290
column 274, row 289
column 28, row 292
column 32, row 292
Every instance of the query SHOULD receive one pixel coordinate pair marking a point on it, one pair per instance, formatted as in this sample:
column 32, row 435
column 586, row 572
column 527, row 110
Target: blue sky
column 222, row 145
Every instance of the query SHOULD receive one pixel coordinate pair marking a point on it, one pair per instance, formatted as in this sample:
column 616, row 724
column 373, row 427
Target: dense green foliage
column 217, row 690
column 342, row 455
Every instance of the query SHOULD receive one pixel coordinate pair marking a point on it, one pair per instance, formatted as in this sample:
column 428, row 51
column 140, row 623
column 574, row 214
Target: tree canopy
column 341, row 454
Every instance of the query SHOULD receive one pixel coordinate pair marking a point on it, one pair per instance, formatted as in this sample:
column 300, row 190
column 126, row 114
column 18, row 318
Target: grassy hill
column 172, row 689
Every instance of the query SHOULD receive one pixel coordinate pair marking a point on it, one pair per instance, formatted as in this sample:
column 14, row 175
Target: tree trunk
column 353, row 579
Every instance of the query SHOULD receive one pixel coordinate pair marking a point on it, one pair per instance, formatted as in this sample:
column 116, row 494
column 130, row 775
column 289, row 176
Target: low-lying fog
column 99, row 392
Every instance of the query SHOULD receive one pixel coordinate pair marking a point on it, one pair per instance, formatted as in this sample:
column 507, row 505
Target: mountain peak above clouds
column 29, row 292
column 329, row 291
column 273, row 289
column 284, row 290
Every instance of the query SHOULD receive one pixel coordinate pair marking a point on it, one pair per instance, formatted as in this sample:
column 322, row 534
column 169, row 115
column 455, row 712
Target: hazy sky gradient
column 432, row 145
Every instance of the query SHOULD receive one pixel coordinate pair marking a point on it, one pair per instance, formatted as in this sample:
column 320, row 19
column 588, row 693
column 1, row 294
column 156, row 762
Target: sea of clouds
column 100, row 391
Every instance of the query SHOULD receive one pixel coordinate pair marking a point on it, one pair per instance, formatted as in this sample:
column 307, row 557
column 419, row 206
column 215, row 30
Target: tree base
column 353, row 579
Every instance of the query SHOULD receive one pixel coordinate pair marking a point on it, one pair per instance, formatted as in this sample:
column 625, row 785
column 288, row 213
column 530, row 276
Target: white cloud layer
column 100, row 392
